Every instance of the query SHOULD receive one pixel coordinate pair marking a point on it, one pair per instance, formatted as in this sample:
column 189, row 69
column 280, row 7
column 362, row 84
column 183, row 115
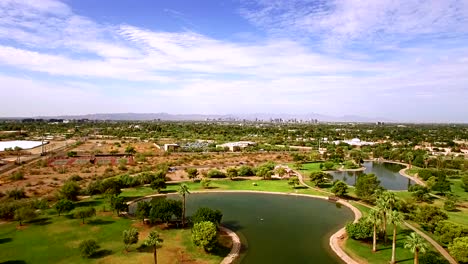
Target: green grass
column 55, row 239
column 261, row 185
column 363, row 250
column 458, row 190
column 413, row 170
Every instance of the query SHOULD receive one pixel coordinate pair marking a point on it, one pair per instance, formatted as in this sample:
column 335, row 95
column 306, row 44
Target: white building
column 236, row 146
column 354, row 142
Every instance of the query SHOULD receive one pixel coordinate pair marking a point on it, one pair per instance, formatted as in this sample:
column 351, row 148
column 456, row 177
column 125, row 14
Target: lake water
column 24, row 144
column 277, row 228
column 388, row 174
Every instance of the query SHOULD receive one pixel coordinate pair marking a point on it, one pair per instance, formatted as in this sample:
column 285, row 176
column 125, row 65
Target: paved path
column 434, row 243
column 338, row 250
column 236, row 246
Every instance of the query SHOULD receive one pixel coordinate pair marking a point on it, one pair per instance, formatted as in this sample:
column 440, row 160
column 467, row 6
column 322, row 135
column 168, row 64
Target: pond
column 278, row 228
column 388, row 174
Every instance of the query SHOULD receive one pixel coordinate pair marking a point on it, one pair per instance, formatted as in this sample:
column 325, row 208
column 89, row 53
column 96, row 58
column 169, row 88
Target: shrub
column 214, row 173
column 459, row 249
column 245, row 170
column 339, row 188
column 450, row 205
column 432, row 257
column 204, row 234
column 17, row 176
column 70, row 190
column 16, row 194
column 75, row 178
column 361, row 230
column 207, row 214
column 88, row 248
column 205, row 183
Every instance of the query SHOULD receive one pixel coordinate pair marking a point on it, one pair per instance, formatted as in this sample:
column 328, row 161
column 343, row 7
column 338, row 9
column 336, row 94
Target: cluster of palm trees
column 384, row 213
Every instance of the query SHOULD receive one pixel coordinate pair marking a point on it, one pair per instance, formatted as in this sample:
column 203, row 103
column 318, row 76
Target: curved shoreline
column 333, row 239
column 236, row 246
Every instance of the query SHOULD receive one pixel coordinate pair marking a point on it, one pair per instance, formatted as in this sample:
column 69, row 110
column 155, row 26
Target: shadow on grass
column 403, row 260
column 101, row 253
column 5, row 240
column 300, row 187
column 167, row 191
column 13, row 262
column 239, row 179
column 100, row 222
column 220, row 251
column 88, row 203
column 145, row 248
column 41, row 221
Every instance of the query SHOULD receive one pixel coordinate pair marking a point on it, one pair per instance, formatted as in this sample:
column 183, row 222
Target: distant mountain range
column 200, row 117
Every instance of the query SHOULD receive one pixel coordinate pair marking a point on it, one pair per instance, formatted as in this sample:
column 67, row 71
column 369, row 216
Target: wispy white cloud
column 187, row 71
column 342, row 22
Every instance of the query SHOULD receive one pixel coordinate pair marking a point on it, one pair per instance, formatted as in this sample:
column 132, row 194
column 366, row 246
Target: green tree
column 143, row 210
column 64, row 206
column 130, row 150
column 158, row 184
column 447, row 231
column 24, row 213
column 264, row 172
column 318, row 178
column 118, row 204
column 409, row 158
column 204, row 234
column 205, row 183
column 340, row 188
column 366, row 185
column 374, row 218
column 415, row 244
column 385, row 204
column 231, row 173
column 293, row 181
column 153, row 241
column 245, row 170
column 428, row 216
column 130, row 237
column 85, row 213
column 88, row 248
column 281, row 171
column 192, row 173
column 70, row 190
column 206, row 214
column 214, row 173
column 360, row 230
column 459, row 249
column 395, row 218
column 183, row 191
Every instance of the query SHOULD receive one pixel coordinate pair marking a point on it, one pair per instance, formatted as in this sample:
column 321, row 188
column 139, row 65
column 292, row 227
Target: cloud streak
column 187, row 71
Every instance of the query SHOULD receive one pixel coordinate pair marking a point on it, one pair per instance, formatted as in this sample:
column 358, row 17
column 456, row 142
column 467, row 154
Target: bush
column 447, row 231
column 214, row 173
column 16, row 194
column 432, row 257
column 205, row 183
column 459, row 249
column 339, row 188
column 328, row 165
column 361, row 230
column 204, row 234
column 207, row 214
column 420, row 193
column 165, row 209
column 428, row 216
column 75, row 178
column 245, row 170
column 17, row 176
column 88, row 248
column 450, row 205
column 70, row 190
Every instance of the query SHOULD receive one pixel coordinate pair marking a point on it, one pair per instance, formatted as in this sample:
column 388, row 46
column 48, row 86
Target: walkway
column 236, row 246
column 339, row 251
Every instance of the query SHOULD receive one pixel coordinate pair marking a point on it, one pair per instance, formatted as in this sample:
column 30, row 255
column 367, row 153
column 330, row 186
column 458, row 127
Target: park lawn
column 55, row 239
column 458, row 190
column 363, row 250
column 280, row 186
column 413, row 170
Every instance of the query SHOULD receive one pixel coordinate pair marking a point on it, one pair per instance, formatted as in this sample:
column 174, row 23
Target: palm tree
column 395, row 219
column 183, row 190
column 426, row 159
column 374, row 218
column 385, row 204
column 409, row 158
column 154, row 241
column 416, row 244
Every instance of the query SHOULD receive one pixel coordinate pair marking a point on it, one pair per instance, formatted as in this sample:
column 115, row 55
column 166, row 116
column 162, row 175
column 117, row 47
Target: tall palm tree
column 385, row 204
column 416, row 244
column 374, row 218
column 395, row 218
column 183, row 191
column 426, row 159
column 409, row 158
column 154, row 241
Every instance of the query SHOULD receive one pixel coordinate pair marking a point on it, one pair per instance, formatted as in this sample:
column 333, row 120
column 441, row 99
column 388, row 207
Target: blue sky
column 403, row 59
